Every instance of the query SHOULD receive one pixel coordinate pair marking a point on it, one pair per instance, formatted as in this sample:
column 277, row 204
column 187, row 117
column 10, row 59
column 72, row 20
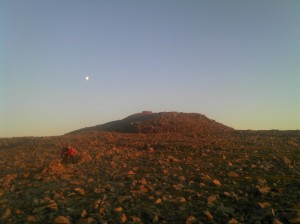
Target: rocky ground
column 234, row 177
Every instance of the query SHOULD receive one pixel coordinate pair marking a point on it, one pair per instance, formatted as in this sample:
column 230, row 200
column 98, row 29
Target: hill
column 163, row 122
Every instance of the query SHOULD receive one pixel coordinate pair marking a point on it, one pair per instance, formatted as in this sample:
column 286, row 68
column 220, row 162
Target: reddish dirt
column 222, row 177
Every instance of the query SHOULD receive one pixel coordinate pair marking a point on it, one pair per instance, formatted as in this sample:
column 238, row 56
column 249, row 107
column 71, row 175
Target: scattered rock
column 233, row 221
column 286, row 161
column 18, row 212
column 263, row 189
column 191, row 220
column 276, row 221
column 123, row 218
column 79, row 191
column 264, row 204
column 158, row 201
column 155, row 218
column 151, row 150
column 233, row 174
column 136, row 219
column 61, row 220
column 208, row 215
column 83, row 213
column 119, row 181
column 211, row 199
column 171, row 159
column 102, row 211
column 119, row 209
column 144, row 181
column 217, row 182
column 182, row 199
column 6, row 214
column 52, row 206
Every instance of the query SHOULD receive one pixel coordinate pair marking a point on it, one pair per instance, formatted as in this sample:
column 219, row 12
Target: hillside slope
column 163, row 122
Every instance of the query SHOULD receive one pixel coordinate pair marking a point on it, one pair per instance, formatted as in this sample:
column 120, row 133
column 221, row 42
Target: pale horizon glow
column 237, row 62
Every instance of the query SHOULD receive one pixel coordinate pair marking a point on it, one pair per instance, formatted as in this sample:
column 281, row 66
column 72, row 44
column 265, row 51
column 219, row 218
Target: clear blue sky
column 237, row 62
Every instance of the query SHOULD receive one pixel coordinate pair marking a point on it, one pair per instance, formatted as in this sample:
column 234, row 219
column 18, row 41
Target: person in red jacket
column 67, row 153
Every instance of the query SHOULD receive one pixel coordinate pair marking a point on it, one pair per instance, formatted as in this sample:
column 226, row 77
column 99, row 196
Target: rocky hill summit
column 162, row 122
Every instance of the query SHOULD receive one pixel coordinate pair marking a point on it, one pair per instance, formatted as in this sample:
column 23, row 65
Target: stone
column 182, row 178
column 119, row 209
column 155, row 218
column 202, row 185
column 83, row 213
column 143, row 189
column 206, row 177
column 182, row 199
column 53, row 206
column 263, row 189
column 61, row 220
column 151, row 150
column 261, row 181
column 90, row 180
column 264, row 204
column 18, row 212
column 136, row 219
column 6, row 214
column 208, row 215
column 211, row 199
column 233, row 221
column 233, row 174
column 35, row 201
column 102, row 211
column 144, row 181
column 97, row 203
column 217, row 182
column 80, row 191
column 286, row 161
column 276, row 221
column 123, row 218
column 191, row 219
column 158, row 201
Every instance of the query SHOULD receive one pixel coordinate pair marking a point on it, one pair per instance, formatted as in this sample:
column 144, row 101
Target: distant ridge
column 162, row 122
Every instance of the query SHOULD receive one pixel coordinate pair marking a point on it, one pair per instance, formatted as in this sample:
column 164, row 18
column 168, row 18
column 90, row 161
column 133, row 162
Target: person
column 67, row 153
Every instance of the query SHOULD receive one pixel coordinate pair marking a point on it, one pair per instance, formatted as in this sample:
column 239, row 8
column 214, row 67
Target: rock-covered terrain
column 163, row 122
column 222, row 177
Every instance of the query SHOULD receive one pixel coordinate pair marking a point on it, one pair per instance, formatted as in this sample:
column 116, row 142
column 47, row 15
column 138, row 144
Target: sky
column 237, row 62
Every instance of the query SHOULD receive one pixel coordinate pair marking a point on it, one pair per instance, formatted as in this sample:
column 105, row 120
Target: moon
column 87, row 78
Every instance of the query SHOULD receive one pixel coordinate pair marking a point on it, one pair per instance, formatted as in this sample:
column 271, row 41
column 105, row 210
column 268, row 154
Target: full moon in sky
column 87, row 78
